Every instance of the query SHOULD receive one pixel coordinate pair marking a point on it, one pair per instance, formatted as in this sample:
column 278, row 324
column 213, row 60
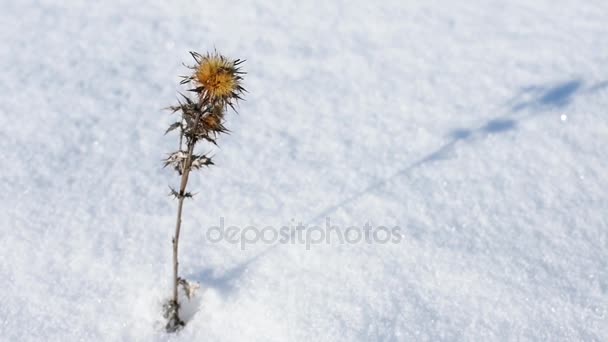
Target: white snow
column 478, row 127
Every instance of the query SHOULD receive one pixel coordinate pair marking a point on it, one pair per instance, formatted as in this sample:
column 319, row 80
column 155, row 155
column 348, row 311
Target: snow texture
column 477, row 127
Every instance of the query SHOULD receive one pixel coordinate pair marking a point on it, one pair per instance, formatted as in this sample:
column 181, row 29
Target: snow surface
column 478, row 127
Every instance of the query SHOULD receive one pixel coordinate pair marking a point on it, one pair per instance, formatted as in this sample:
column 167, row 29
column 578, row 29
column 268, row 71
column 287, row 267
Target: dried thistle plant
column 217, row 85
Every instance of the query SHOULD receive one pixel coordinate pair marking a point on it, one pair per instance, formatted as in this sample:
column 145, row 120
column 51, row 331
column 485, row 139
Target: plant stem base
column 174, row 323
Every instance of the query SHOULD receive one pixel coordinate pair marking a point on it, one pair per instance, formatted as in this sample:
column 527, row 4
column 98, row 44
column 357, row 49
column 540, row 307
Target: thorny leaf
column 176, row 194
column 185, row 79
column 188, row 100
column 197, row 89
column 199, row 161
column 190, row 288
column 209, row 139
column 197, row 56
column 173, row 126
column 173, row 109
column 176, row 159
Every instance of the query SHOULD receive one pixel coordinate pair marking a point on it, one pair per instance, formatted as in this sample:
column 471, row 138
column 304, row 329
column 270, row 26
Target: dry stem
column 174, row 321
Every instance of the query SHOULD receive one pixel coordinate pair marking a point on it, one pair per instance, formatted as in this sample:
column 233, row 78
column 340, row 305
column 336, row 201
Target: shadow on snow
column 533, row 99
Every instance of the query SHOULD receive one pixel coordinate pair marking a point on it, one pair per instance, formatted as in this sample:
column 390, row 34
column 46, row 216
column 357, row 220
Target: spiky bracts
column 217, row 83
column 216, row 78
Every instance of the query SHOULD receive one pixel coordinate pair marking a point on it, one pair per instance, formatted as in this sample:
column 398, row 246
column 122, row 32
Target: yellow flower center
column 217, row 77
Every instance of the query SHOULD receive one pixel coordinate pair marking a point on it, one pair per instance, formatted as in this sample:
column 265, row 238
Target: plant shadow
column 539, row 97
column 536, row 99
column 560, row 95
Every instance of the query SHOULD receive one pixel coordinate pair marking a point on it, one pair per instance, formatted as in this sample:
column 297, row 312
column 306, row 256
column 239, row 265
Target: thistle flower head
column 217, row 78
column 213, row 122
